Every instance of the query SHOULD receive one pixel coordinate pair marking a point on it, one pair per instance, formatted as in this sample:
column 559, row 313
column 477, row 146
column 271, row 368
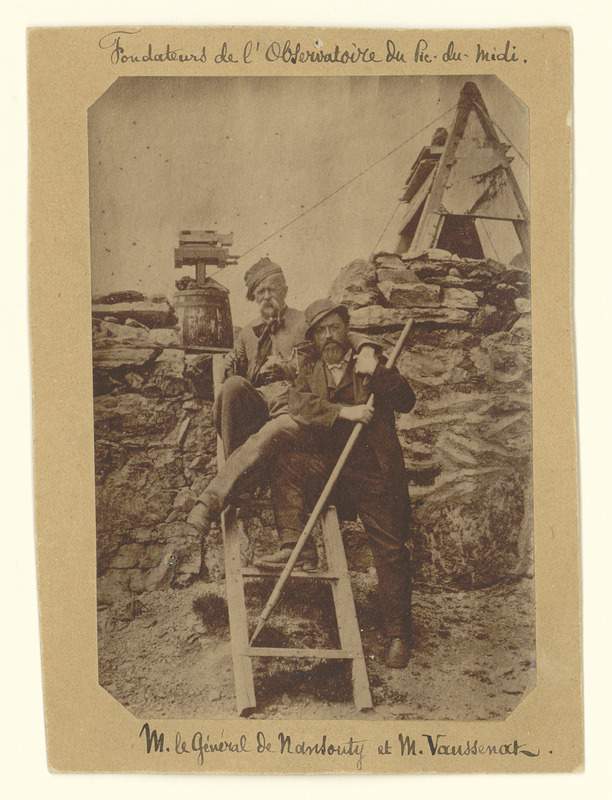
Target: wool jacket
column 315, row 404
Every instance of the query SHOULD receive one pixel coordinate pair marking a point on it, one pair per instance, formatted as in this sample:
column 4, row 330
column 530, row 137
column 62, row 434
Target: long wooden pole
column 322, row 501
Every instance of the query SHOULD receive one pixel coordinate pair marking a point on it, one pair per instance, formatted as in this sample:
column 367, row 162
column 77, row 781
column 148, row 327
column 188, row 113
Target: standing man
column 250, row 412
column 326, row 402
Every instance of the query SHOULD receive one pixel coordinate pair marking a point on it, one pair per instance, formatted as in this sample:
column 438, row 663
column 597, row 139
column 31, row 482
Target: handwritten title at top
column 122, row 49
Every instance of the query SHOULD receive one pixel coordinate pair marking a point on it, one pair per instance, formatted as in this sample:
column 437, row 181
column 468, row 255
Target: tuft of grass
column 212, row 610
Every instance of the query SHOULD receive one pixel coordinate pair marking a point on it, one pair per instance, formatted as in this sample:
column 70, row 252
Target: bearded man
column 250, row 412
column 326, row 402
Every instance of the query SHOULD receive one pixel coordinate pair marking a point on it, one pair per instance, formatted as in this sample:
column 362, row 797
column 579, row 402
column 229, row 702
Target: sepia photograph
column 312, row 397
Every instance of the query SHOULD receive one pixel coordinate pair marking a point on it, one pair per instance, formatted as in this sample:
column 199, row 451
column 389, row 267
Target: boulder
column 128, row 556
column 117, row 417
column 396, row 275
column 118, row 356
column 185, row 500
column 502, row 295
column 133, row 323
column 459, row 298
column 507, row 362
column 134, row 381
column 445, row 280
column 356, row 284
column 168, row 374
column 489, row 319
column 377, row 318
column 360, row 299
column 522, row 305
column 166, row 337
column 410, row 295
column 153, row 315
column 389, row 260
column 433, row 366
column 426, row 270
column 123, row 332
column 128, row 296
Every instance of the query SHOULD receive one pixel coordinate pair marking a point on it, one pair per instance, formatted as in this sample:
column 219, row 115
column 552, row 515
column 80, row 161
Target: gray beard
column 273, row 312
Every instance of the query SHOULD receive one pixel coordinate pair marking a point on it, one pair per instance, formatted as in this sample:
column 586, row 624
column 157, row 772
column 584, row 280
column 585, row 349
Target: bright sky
column 248, row 155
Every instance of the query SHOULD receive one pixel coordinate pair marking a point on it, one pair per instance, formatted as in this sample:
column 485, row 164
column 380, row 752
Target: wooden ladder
column 337, row 576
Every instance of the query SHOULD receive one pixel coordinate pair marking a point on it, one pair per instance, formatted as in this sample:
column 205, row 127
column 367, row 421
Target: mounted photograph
column 312, row 397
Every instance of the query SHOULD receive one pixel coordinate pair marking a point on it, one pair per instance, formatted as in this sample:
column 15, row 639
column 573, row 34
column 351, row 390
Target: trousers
column 384, row 517
column 251, row 439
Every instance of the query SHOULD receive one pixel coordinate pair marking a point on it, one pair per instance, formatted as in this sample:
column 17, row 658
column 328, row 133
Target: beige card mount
column 421, row 181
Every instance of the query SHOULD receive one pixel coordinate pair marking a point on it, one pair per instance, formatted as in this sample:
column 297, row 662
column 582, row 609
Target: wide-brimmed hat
column 321, row 308
column 258, row 273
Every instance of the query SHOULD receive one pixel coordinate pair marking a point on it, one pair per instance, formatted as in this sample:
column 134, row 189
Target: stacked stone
column 155, row 451
column 467, row 443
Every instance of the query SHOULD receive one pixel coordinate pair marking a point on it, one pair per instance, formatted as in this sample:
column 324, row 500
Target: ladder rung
column 247, row 503
column 295, row 652
column 256, row 572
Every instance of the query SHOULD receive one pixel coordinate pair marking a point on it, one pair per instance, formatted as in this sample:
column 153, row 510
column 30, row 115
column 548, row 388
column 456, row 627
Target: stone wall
column 467, row 443
column 155, row 451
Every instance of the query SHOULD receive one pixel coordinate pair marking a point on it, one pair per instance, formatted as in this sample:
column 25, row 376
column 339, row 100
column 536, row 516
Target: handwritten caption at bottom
column 201, row 745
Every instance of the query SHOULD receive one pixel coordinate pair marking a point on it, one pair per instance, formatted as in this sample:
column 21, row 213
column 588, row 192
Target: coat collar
column 318, row 381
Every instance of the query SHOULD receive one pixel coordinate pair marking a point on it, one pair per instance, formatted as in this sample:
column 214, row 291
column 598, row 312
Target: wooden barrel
column 205, row 317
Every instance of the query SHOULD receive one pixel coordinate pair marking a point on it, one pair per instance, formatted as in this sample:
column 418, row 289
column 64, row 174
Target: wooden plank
column 348, row 628
column 218, row 374
column 196, row 348
column 297, row 652
column 429, row 225
column 415, row 203
column 257, row 572
column 239, row 634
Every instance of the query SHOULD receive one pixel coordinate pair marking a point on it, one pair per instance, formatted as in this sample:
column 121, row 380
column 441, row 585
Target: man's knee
column 277, row 431
column 234, row 386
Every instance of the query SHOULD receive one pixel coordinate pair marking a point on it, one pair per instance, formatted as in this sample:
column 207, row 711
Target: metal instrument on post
column 202, row 305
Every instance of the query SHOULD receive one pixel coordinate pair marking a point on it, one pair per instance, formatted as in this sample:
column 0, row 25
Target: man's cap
column 258, row 273
column 321, row 308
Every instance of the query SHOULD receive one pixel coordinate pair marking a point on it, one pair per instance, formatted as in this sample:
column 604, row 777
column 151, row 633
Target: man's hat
column 258, row 273
column 321, row 308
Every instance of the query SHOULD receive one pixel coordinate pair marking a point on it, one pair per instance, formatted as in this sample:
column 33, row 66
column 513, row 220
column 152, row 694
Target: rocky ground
column 167, row 654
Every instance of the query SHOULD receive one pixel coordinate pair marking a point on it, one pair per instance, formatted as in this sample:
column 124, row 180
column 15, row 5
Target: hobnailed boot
column 398, row 653
column 308, row 559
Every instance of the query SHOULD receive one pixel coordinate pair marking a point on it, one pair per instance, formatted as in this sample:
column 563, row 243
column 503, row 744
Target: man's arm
column 391, row 388
column 236, row 361
column 307, row 408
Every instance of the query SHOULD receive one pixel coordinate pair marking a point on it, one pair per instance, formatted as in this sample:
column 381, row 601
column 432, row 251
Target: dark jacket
column 316, row 405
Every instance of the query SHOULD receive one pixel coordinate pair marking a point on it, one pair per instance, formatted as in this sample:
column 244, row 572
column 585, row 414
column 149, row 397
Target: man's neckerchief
column 264, row 345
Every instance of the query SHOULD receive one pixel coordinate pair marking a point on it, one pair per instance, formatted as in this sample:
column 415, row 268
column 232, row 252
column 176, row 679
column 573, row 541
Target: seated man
column 250, row 412
column 327, row 401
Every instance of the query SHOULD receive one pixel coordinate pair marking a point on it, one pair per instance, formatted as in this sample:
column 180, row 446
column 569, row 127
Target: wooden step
column 297, row 652
column 257, row 572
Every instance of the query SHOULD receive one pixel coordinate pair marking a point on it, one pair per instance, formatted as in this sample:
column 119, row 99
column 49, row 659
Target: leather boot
column 399, row 652
column 307, row 560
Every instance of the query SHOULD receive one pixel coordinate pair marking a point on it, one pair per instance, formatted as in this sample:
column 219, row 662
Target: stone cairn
column 467, row 443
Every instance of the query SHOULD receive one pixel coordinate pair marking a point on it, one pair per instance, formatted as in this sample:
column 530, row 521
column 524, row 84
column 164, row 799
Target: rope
column 490, row 241
column 385, row 228
column 504, row 134
column 340, row 188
